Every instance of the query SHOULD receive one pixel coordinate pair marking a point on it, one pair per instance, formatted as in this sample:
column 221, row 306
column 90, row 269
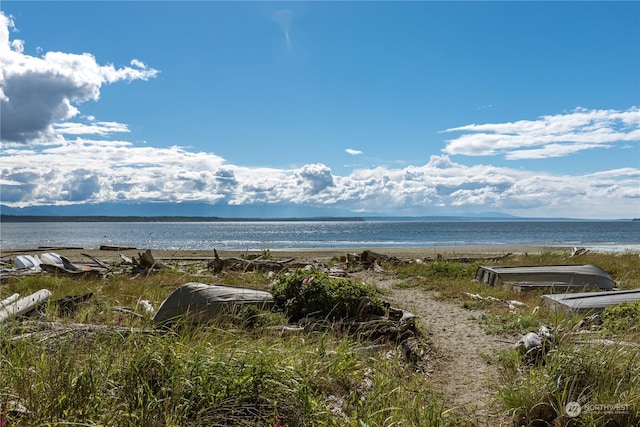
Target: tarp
column 200, row 303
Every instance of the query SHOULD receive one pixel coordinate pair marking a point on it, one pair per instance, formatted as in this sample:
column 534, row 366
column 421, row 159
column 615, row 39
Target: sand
column 76, row 254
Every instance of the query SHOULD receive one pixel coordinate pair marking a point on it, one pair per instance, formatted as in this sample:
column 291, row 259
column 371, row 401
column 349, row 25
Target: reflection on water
column 597, row 235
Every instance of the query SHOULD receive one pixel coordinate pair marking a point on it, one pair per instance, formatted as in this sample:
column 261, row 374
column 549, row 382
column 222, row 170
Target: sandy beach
column 78, row 254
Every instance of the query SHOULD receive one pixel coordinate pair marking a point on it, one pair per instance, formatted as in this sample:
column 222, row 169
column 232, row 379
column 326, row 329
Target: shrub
column 311, row 292
column 622, row 318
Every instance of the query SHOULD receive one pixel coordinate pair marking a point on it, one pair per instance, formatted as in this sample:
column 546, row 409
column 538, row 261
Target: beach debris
column 533, row 346
column 70, row 303
column 9, row 300
column 376, row 268
column 97, row 260
column 200, row 303
column 30, row 262
column 592, row 321
column 512, row 304
column 58, row 264
column 575, row 252
column 286, row 330
column 146, row 260
column 146, row 306
column 144, row 263
column 116, row 248
column 22, row 265
column 127, row 310
column 22, row 306
column 258, row 263
column 367, row 258
column 53, row 332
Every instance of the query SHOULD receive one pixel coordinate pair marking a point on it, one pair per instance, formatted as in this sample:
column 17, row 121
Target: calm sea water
column 596, row 235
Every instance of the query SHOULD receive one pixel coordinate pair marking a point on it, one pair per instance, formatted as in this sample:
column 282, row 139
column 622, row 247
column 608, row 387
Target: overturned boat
column 587, row 302
column 199, row 303
column 562, row 277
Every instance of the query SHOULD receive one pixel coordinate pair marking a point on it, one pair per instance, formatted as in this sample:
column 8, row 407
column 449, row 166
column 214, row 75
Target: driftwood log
column 53, row 333
column 146, row 260
column 257, row 264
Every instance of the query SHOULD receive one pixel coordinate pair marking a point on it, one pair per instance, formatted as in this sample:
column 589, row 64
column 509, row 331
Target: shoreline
column 77, row 254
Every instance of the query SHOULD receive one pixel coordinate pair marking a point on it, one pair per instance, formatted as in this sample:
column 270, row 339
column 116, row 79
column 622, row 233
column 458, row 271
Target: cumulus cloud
column 58, row 170
column 93, row 171
column 315, row 178
column 39, row 93
column 548, row 136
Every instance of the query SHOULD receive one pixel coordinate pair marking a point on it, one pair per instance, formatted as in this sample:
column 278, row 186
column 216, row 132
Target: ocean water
column 596, row 235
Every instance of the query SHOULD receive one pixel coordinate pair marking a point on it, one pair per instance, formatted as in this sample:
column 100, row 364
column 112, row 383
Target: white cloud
column 549, row 136
column 97, row 128
column 283, row 18
column 37, row 93
column 314, row 178
column 54, row 170
column 91, row 171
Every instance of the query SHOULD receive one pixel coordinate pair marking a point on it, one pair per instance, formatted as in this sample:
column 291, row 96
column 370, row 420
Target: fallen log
column 116, row 248
column 24, row 305
column 9, row 300
column 369, row 257
column 54, row 331
column 257, row 264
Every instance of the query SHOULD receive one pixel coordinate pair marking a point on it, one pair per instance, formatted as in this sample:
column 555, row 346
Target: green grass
column 210, row 376
column 242, row 373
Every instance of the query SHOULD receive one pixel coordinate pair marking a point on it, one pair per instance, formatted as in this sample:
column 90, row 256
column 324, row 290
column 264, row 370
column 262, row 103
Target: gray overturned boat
column 587, row 302
column 199, row 303
column 565, row 277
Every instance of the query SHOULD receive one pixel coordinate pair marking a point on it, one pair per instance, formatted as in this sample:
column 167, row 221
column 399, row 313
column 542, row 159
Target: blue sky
column 409, row 108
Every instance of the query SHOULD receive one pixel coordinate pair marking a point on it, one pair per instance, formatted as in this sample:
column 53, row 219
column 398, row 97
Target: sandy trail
column 461, row 372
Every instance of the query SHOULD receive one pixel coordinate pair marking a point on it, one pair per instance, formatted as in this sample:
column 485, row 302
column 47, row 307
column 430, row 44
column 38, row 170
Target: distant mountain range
column 207, row 212
column 204, row 210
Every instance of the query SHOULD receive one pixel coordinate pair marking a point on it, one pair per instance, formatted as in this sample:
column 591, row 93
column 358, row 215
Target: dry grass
column 226, row 374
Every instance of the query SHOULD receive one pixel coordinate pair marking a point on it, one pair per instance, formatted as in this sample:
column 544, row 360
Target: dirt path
column 461, row 372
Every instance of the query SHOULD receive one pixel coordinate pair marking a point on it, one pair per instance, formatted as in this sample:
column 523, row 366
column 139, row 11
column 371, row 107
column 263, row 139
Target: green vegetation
column 623, row 319
column 311, row 292
column 242, row 371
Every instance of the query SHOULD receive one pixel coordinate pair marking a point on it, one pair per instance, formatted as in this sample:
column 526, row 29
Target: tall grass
column 245, row 374
column 224, row 374
column 594, row 375
column 210, row 377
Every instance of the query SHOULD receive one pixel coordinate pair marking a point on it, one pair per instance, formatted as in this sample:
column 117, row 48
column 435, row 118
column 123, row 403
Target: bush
column 311, row 292
column 622, row 318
